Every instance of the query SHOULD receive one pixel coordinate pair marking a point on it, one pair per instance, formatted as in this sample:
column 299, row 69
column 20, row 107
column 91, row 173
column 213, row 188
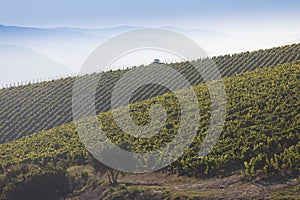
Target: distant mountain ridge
column 70, row 46
column 19, row 64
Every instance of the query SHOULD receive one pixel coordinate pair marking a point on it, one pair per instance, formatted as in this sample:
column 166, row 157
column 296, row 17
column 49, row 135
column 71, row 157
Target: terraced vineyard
column 42, row 106
column 260, row 137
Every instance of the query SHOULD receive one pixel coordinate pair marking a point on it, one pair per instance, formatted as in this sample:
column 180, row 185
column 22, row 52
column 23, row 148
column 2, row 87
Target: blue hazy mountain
column 106, row 32
column 71, row 46
column 66, row 46
column 19, row 64
column 14, row 32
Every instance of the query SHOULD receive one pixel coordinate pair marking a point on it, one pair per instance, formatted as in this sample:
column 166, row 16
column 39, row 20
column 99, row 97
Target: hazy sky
column 231, row 16
column 248, row 24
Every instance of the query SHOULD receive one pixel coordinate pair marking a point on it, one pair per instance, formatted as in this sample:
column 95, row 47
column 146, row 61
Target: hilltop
column 260, row 140
column 27, row 109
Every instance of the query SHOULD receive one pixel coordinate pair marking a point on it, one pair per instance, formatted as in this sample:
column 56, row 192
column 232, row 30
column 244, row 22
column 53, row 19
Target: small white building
column 156, row 61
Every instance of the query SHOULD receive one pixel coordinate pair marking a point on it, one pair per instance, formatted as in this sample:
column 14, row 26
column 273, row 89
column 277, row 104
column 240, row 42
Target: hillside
column 25, row 110
column 260, row 138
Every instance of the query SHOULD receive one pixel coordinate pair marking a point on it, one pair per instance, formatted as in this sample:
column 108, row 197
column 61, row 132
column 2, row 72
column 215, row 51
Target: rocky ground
column 162, row 186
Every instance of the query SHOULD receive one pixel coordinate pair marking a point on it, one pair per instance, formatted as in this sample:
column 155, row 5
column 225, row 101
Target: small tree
column 101, row 168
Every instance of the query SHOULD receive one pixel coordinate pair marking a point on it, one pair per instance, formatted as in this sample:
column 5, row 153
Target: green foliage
column 29, row 109
column 261, row 133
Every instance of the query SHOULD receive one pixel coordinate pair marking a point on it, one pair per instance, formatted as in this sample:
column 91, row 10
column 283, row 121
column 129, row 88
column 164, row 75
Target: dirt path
column 157, row 186
column 232, row 187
